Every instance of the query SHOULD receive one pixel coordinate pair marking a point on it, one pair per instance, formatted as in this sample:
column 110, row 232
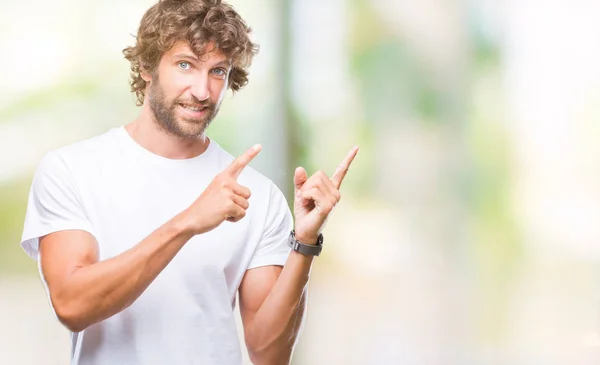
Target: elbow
column 254, row 353
column 262, row 358
column 72, row 325
column 269, row 354
column 69, row 316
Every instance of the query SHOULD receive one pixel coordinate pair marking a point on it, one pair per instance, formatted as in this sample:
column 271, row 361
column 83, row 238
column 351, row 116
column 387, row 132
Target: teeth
column 192, row 108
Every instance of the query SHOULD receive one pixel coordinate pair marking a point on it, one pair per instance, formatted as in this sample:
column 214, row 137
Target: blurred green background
column 468, row 230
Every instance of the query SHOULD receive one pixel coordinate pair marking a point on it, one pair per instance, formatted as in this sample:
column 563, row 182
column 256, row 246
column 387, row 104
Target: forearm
column 93, row 293
column 274, row 329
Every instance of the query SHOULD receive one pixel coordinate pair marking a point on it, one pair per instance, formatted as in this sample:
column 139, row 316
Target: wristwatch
column 303, row 248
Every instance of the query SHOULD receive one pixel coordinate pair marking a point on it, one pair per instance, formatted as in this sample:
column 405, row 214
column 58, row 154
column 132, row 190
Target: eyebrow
column 226, row 63
column 185, row 55
column 191, row 57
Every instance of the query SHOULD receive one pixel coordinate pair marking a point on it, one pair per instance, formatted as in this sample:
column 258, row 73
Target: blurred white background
column 468, row 230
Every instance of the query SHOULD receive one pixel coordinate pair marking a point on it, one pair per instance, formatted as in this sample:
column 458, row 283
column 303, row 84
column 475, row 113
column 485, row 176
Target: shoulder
column 89, row 148
column 81, row 154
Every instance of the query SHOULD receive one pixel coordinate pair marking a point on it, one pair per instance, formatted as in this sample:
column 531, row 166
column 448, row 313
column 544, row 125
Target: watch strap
column 305, row 249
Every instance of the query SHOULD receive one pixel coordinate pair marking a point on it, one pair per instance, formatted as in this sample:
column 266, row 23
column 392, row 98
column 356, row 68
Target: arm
column 272, row 305
column 85, row 291
column 272, row 299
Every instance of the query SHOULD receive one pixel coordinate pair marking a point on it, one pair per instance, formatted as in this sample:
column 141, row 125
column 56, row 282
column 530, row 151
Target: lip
column 191, row 113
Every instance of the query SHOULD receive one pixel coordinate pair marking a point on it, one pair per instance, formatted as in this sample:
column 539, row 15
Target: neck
column 149, row 134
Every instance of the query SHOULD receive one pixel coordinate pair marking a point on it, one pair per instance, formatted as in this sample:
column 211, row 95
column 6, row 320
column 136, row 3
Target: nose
column 200, row 88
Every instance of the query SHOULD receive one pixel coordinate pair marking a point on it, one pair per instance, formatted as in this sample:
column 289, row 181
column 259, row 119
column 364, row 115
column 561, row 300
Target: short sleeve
column 273, row 248
column 53, row 204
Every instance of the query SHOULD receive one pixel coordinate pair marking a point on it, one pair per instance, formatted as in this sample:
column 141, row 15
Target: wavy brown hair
column 196, row 22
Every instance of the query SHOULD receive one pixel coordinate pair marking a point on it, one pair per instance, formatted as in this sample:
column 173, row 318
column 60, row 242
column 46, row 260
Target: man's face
column 185, row 92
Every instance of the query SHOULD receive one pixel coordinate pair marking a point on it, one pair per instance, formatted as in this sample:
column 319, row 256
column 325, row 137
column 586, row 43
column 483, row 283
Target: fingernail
column 256, row 147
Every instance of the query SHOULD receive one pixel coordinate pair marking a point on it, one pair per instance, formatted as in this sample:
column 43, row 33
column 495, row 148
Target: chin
column 192, row 128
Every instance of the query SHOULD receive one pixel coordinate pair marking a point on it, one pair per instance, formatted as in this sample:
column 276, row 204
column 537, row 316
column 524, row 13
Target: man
column 145, row 234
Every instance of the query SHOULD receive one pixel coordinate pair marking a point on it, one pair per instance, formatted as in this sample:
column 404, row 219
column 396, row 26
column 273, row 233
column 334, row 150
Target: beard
column 165, row 113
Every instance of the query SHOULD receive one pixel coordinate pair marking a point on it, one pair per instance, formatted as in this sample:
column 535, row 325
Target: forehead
column 211, row 53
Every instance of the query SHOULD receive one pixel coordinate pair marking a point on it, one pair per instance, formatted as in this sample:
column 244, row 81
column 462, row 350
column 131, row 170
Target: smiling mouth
column 193, row 108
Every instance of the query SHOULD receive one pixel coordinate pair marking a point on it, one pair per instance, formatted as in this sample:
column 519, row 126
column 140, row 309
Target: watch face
column 320, row 239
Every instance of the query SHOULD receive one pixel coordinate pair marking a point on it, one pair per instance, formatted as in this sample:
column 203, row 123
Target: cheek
column 174, row 86
column 180, row 82
column 218, row 89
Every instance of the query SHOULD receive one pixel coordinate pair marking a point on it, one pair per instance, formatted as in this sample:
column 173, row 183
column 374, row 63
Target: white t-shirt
column 120, row 192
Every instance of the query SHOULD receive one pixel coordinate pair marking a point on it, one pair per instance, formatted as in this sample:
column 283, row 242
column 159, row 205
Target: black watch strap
column 308, row 250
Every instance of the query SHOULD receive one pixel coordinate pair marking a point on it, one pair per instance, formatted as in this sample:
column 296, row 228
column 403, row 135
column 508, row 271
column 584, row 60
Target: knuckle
column 244, row 191
column 230, row 205
column 230, row 196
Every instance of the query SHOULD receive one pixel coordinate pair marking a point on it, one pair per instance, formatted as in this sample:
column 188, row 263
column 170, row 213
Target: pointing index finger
column 342, row 169
column 237, row 166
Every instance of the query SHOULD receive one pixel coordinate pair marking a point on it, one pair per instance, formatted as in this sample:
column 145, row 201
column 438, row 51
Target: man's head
column 187, row 54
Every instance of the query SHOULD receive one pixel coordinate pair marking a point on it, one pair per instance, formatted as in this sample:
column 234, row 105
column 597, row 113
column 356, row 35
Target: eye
column 184, row 65
column 219, row 71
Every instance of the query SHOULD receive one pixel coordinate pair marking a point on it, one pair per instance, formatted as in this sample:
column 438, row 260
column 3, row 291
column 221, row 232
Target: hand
column 315, row 198
column 223, row 199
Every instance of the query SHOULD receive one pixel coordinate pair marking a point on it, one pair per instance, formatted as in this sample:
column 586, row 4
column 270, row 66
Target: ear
column 146, row 76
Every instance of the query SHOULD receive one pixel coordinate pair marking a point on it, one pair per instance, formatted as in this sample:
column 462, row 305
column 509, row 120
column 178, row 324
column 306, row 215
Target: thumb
column 300, row 178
